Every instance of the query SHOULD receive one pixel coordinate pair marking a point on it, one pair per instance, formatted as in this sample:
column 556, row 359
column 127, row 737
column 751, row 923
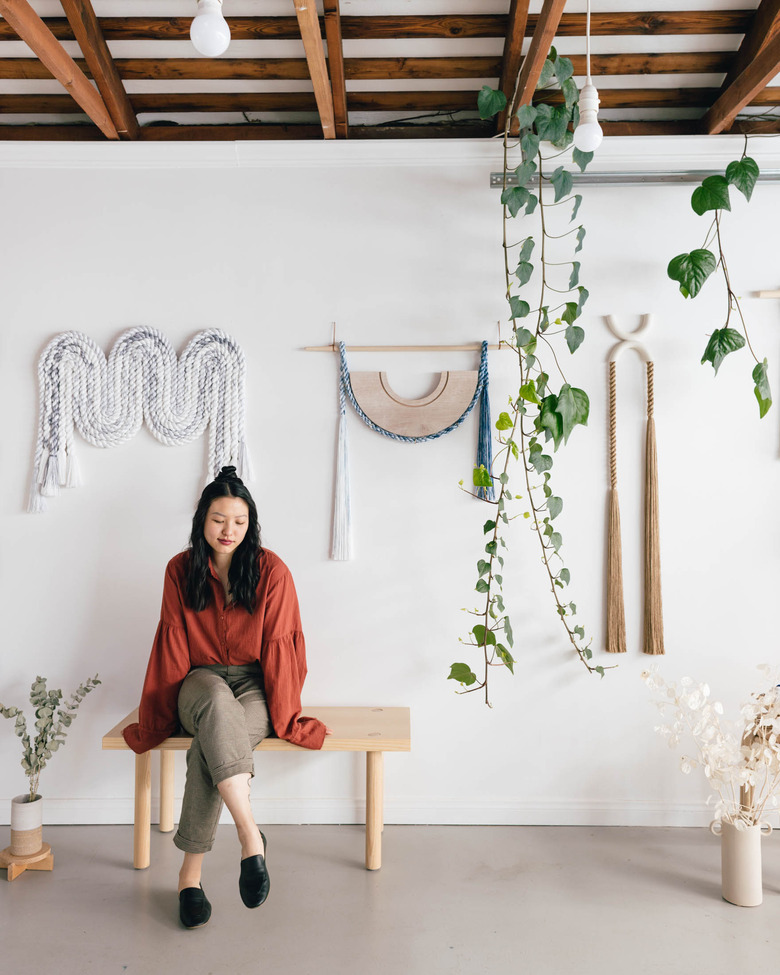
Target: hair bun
column 227, row 474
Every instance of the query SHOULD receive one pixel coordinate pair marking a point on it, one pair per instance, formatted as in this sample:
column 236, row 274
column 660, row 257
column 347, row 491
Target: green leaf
column 540, row 462
column 563, row 68
column 490, row 102
column 530, row 145
column 491, row 548
column 524, row 338
column 519, row 308
column 483, row 567
column 565, row 576
column 575, row 211
column 556, row 540
column 570, row 92
column 514, row 198
column 488, row 527
column 574, row 337
column 525, row 116
column 506, row 657
column 508, row 631
column 481, row 477
column 551, row 122
column 743, row 174
column 713, row 194
column 583, row 297
column 526, row 249
column 574, row 277
column 528, row 392
column 525, row 172
column 482, row 586
column 723, row 342
column 463, row 674
column 573, row 407
column 523, row 272
column 571, row 312
column 561, row 179
column 547, row 73
column 549, row 420
column 692, row 270
column 581, row 159
column 580, row 632
column 483, row 636
column 533, row 202
column 504, row 422
column 499, row 579
column 762, row 389
column 580, row 237
column 554, row 507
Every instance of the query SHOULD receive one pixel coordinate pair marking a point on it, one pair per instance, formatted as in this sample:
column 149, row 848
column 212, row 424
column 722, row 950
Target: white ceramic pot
column 740, row 858
column 26, row 825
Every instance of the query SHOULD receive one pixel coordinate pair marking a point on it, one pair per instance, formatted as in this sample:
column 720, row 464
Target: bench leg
column 143, row 811
column 166, row 790
column 374, row 810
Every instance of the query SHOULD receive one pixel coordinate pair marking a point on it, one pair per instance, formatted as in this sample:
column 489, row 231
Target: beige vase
column 740, row 858
column 26, row 825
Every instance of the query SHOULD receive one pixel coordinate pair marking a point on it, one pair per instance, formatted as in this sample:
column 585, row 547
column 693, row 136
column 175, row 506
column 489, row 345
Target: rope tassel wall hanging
column 653, row 609
column 404, row 420
column 108, row 400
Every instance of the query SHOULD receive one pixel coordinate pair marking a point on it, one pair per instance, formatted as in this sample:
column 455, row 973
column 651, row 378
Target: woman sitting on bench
column 228, row 664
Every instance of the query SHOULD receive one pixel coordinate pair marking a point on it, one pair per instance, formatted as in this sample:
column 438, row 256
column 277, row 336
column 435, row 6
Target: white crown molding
column 637, row 154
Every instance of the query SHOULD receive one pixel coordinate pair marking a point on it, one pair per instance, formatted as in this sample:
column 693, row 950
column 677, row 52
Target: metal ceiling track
column 497, row 180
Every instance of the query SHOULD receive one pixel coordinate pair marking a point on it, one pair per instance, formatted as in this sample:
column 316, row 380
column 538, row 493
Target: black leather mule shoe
column 254, row 882
column 194, row 907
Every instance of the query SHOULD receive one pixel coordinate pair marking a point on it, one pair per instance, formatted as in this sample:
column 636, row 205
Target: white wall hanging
column 108, row 399
column 653, row 610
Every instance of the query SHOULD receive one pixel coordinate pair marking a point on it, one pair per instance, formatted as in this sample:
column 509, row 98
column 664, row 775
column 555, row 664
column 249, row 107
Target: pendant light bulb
column 588, row 134
column 209, row 31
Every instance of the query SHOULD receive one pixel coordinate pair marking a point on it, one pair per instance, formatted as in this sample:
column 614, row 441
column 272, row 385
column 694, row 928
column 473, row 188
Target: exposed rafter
column 543, row 35
column 744, row 88
column 82, row 19
column 513, row 54
column 765, row 24
column 32, row 30
column 306, row 11
column 336, row 66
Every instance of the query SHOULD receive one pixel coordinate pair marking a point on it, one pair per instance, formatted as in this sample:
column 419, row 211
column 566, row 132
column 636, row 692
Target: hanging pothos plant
column 692, row 270
column 545, row 300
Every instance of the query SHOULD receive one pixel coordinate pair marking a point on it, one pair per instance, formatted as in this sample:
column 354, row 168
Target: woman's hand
column 328, row 731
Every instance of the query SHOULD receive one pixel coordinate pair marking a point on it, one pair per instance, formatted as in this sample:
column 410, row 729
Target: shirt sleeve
column 169, row 664
column 283, row 659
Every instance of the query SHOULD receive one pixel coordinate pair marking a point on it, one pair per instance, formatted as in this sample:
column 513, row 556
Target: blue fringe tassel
column 485, row 444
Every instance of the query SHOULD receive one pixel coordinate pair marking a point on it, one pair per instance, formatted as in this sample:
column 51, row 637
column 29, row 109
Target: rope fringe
column 654, row 621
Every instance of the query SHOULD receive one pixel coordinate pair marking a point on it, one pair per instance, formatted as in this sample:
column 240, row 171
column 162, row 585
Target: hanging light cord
column 587, row 41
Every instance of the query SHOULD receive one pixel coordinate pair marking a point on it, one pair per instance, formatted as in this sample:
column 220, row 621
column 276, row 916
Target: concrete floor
column 449, row 899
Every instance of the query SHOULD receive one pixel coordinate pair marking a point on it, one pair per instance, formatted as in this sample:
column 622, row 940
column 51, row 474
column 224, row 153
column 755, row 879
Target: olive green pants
column 224, row 710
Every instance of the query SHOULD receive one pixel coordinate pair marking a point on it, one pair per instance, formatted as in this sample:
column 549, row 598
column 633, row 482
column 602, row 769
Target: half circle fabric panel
column 422, row 417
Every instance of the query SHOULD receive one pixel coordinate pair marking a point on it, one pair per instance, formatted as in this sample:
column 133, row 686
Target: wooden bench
column 370, row 730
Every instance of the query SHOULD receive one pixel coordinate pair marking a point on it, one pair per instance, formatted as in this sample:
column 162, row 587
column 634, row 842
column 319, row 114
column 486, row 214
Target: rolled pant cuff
column 190, row 846
column 242, row 765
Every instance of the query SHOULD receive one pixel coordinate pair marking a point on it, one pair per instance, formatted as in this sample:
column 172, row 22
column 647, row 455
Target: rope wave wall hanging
column 141, row 381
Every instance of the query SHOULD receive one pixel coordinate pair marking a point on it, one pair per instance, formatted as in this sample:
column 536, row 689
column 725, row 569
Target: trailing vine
column 692, row 270
column 543, row 305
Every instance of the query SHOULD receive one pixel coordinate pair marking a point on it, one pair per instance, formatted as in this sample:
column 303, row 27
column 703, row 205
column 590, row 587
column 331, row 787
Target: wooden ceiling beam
column 311, row 35
column 82, row 19
column 628, row 23
column 543, row 36
column 745, row 87
column 336, row 66
column 763, row 27
column 513, row 55
column 32, row 30
column 376, row 69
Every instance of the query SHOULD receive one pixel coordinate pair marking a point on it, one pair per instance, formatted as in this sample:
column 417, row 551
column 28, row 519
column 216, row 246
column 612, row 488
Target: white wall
column 271, row 243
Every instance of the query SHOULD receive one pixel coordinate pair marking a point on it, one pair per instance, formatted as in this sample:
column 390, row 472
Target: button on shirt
column 227, row 634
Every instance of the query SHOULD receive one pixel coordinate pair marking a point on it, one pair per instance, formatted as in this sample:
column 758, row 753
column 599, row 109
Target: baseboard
column 446, row 812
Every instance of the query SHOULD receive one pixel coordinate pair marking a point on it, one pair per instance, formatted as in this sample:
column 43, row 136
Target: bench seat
column 373, row 730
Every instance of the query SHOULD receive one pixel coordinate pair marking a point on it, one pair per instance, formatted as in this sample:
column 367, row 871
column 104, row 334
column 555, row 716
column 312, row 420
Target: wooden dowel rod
column 769, row 294
column 474, row 347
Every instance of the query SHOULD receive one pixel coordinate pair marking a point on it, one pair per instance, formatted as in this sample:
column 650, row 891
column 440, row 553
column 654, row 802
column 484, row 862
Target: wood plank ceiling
column 356, row 69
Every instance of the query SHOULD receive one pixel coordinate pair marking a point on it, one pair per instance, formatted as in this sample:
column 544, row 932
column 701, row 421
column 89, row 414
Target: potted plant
column 741, row 762
column 53, row 717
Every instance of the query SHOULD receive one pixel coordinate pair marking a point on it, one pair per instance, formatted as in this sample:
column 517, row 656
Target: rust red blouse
column 227, row 634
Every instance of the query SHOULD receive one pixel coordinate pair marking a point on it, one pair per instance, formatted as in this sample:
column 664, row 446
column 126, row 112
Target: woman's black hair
column 244, row 573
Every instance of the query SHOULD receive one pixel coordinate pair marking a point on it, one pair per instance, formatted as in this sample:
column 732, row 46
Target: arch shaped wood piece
column 414, row 417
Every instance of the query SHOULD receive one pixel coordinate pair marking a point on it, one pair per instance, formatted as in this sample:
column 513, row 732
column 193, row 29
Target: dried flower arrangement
column 740, row 761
